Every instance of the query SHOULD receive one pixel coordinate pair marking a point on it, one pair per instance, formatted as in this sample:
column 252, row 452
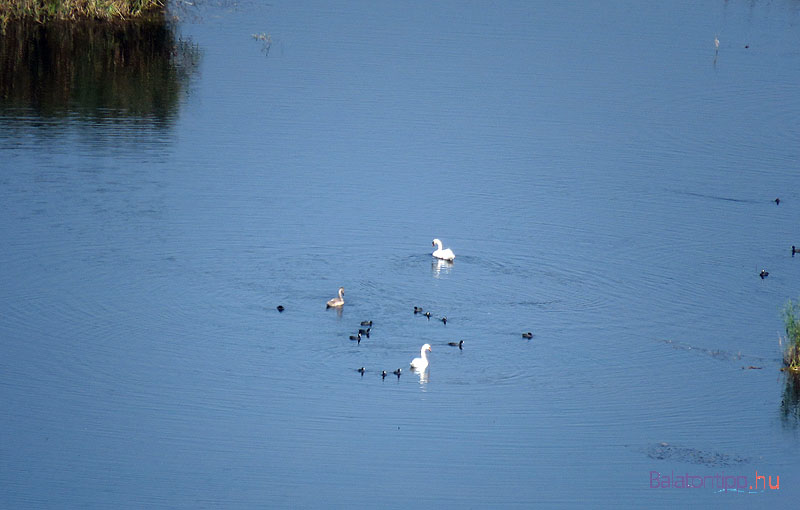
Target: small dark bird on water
column 417, row 310
column 361, row 370
column 763, row 274
column 364, row 332
column 383, row 374
column 457, row 344
column 356, row 337
column 794, row 250
column 527, row 335
column 428, row 315
column 777, row 201
column 281, row 308
column 398, row 372
column 366, row 323
column 444, row 320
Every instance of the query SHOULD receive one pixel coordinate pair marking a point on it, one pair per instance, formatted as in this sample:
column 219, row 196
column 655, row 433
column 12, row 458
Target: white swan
column 337, row 301
column 439, row 253
column 421, row 363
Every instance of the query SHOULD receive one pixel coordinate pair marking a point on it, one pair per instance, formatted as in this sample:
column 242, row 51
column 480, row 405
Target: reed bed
column 791, row 349
column 47, row 10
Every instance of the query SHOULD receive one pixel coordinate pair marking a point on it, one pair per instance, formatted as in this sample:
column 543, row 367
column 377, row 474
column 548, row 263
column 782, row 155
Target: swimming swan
column 337, row 301
column 439, row 253
column 421, row 363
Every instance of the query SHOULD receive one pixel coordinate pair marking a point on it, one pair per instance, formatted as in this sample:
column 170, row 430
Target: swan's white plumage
column 439, row 253
column 421, row 363
column 337, row 301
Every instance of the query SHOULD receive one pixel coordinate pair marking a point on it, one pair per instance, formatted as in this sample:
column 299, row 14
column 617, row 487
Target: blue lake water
column 605, row 176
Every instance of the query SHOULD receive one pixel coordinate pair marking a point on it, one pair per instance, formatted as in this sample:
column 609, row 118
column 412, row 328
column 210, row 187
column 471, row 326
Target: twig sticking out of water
column 716, row 47
column 267, row 39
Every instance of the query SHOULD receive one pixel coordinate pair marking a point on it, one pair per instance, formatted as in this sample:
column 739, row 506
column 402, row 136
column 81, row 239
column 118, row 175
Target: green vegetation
column 46, row 10
column 791, row 352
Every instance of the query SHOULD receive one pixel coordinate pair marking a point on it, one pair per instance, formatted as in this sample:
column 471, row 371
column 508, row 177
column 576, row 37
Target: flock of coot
column 764, row 273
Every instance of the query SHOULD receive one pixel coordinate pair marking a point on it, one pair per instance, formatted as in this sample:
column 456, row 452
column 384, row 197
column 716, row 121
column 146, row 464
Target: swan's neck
column 438, row 244
column 341, row 291
column 423, row 354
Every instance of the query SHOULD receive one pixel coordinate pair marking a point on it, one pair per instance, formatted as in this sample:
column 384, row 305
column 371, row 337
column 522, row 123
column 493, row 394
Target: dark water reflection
column 99, row 70
column 790, row 403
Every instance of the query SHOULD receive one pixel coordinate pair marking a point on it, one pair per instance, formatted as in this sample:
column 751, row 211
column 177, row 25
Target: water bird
column 398, row 372
column 356, row 338
column 366, row 323
column 281, row 308
column 763, row 274
column 444, row 320
column 364, row 332
column 417, row 310
column 337, row 301
column 428, row 315
column 794, row 250
column 527, row 335
column 457, row 344
column 421, row 363
column 777, row 201
column 361, row 370
column 439, row 253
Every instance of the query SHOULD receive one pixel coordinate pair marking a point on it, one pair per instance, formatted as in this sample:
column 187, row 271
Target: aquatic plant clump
column 791, row 319
column 44, row 10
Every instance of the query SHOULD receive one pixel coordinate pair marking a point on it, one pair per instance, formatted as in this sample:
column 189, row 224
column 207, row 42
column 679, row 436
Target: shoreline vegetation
column 42, row 11
column 791, row 351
